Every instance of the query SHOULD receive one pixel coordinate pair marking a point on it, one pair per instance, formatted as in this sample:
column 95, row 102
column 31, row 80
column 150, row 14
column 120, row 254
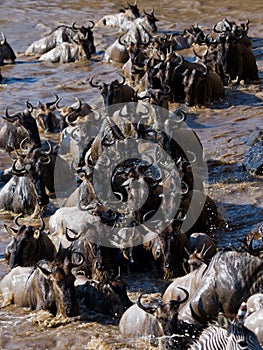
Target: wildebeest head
column 168, row 248
column 85, row 38
column 150, row 20
column 131, row 11
column 45, row 115
column 32, row 163
column 69, row 114
column 28, row 245
column 166, row 314
column 6, row 51
column 57, row 282
column 26, row 120
column 113, row 92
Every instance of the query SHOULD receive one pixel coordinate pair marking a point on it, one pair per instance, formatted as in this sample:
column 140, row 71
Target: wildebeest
column 107, row 298
column 62, row 34
column 139, row 33
column 69, row 114
column 201, row 245
column 155, row 319
column 19, row 126
column 230, row 278
column 49, row 286
column 239, row 62
column 45, row 115
column 28, row 245
column 6, row 51
column 26, row 190
column 202, row 88
column 68, row 52
column 114, row 92
column 122, row 20
column 189, row 281
column 254, row 322
column 168, row 251
column 254, row 317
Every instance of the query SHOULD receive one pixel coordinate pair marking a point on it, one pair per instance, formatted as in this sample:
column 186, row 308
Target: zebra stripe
column 233, row 338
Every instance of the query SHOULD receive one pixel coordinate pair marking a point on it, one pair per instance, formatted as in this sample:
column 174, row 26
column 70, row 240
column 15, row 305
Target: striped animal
column 226, row 335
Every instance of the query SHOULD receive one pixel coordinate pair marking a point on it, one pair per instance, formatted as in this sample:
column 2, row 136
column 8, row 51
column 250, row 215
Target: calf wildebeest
column 62, row 34
column 6, row 51
column 28, row 245
column 202, row 246
column 226, row 335
column 155, row 319
column 49, row 286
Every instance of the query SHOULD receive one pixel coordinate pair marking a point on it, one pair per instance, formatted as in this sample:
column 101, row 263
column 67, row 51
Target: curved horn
column 203, row 71
column 92, row 84
column 123, row 80
column 9, row 117
column 193, row 160
column 148, row 308
column 81, row 261
column 49, row 104
column 69, row 238
column 74, row 26
column 215, row 30
column 178, row 302
column 18, row 172
column 181, row 113
column 92, row 24
column 21, row 145
column 123, row 43
column 49, row 151
column 146, row 214
column 29, row 106
column 16, row 219
column 4, row 39
column 79, row 105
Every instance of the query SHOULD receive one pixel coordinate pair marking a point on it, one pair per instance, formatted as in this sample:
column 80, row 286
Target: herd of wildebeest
column 214, row 298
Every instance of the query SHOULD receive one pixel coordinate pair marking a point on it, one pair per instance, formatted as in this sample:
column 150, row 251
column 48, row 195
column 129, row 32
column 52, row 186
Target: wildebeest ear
column 36, row 234
column 222, row 321
column 12, row 231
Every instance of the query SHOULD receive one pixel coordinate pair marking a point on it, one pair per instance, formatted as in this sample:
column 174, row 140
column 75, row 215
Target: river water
column 226, row 132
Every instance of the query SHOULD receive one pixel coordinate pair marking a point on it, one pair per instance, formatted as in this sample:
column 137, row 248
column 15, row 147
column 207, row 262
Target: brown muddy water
column 226, row 131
